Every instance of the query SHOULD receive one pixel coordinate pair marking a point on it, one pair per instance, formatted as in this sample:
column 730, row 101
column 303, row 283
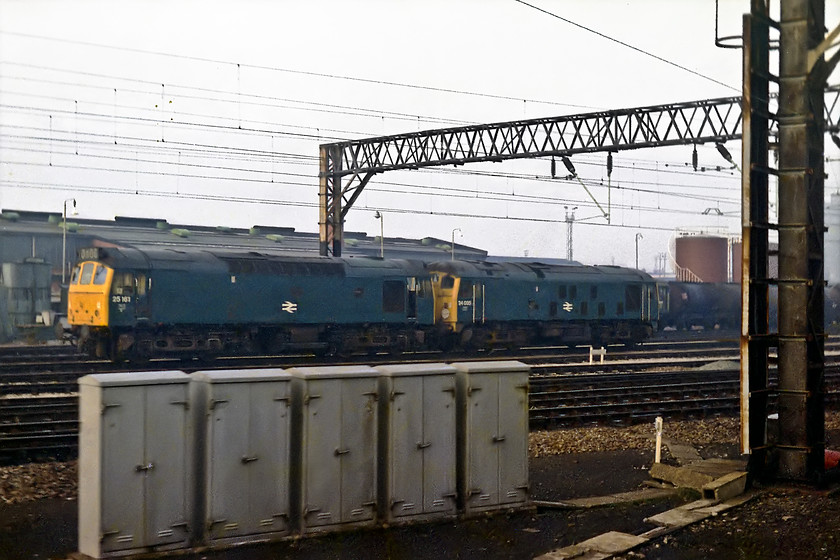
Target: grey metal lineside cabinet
column 134, row 463
column 417, row 442
column 335, row 426
column 492, row 434
column 243, row 420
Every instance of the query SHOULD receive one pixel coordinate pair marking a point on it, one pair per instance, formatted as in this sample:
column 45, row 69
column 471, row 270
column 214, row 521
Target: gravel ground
column 38, row 500
column 35, row 481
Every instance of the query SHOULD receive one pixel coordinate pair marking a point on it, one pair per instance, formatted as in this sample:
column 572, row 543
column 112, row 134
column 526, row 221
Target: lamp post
column 453, row 240
column 64, row 239
column 638, row 236
column 381, row 219
column 570, row 221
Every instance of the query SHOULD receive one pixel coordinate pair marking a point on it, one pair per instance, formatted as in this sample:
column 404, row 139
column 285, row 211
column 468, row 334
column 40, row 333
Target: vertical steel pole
column 324, row 184
column 330, row 223
column 755, row 339
column 801, row 443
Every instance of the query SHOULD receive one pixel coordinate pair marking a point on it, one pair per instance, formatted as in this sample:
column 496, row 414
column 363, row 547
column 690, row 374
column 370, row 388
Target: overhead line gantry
column 346, row 167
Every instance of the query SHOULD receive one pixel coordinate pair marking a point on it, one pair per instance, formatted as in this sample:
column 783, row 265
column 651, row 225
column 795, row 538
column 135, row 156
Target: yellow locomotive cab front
column 87, row 301
column 445, row 289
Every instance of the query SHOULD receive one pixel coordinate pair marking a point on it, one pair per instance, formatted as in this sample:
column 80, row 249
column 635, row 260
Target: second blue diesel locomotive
column 146, row 302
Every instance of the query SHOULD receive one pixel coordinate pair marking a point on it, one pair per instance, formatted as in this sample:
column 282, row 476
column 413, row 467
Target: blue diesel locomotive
column 133, row 303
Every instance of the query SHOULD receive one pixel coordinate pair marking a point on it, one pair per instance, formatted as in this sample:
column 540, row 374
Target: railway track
column 39, row 404
column 636, row 397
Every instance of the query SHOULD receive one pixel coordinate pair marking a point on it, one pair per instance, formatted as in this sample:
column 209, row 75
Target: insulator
column 694, row 158
column 568, row 163
column 609, row 164
column 553, row 168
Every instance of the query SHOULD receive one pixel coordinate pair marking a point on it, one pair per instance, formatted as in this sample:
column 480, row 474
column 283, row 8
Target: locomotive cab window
column 447, row 282
column 76, row 273
column 87, row 273
column 100, row 275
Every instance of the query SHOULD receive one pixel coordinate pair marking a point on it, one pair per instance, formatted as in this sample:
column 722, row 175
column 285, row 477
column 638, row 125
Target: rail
column 46, row 425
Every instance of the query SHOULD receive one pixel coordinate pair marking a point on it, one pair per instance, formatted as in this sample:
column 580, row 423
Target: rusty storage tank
column 704, row 256
column 832, row 240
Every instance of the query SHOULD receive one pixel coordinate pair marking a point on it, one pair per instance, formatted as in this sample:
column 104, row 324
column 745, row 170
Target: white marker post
column 658, row 427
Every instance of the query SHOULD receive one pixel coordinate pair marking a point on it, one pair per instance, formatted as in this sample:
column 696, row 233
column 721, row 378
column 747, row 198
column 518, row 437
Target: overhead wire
column 251, row 170
column 251, row 200
column 291, row 71
column 250, row 130
column 629, row 46
column 239, row 98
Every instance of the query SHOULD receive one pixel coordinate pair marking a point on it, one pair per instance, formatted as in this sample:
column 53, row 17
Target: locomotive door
column 411, row 298
column 142, row 307
column 478, row 303
column 470, row 302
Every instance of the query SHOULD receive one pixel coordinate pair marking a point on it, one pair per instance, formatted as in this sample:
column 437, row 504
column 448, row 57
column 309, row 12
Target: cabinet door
column 407, row 447
column 439, row 484
column 228, row 420
column 123, row 468
column 268, row 466
column 322, row 446
column 513, row 427
column 166, row 459
column 357, row 452
column 483, row 463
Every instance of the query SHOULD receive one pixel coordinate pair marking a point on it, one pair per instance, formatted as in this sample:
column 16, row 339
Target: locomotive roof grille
column 283, row 268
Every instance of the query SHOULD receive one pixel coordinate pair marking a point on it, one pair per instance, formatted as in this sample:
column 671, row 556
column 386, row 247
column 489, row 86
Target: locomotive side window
column 393, row 296
column 424, row 287
column 633, row 297
column 584, row 308
column 664, row 300
column 593, row 292
column 561, row 291
column 100, row 275
column 466, row 290
column 602, row 309
column 141, row 284
column 87, row 273
column 572, row 292
column 122, row 284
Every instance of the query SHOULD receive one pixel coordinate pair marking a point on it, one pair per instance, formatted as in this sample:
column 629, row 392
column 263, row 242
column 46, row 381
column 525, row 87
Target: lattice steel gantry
column 346, row 167
column 695, row 122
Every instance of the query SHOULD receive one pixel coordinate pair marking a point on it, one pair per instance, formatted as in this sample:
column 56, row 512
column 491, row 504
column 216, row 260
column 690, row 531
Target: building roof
column 148, row 232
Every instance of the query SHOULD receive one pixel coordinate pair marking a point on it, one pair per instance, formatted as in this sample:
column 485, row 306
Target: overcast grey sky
column 212, row 113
